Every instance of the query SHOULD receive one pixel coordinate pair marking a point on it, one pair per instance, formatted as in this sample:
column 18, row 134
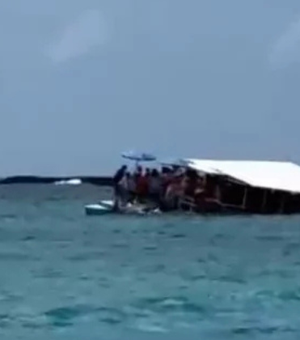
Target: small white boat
column 101, row 208
column 107, row 207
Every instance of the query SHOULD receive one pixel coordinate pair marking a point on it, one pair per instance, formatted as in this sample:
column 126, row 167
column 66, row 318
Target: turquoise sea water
column 68, row 276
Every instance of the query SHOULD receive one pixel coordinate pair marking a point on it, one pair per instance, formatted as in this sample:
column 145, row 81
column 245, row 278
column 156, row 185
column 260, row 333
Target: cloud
column 79, row 37
column 286, row 49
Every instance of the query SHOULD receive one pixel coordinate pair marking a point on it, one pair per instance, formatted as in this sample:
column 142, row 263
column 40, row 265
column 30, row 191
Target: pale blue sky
column 83, row 80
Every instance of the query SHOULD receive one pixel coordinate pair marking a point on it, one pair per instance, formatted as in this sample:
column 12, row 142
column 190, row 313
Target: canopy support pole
column 282, row 205
column 245, row 198
column 264, row 201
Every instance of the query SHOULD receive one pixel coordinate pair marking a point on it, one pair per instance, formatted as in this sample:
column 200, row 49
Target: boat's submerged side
column 107, row 207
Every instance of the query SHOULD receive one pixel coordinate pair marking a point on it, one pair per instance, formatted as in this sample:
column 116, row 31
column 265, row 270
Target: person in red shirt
column 142, row 186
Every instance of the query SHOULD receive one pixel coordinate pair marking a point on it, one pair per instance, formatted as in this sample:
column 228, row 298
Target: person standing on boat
column 155, row 186
column 117, row 179
column 128, row 188
column 141, row 185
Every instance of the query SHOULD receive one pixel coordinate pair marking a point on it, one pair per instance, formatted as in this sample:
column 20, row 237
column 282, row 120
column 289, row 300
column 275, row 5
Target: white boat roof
column 284, row 176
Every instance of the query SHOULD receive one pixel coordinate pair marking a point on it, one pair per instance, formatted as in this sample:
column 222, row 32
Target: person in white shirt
column 128, row 186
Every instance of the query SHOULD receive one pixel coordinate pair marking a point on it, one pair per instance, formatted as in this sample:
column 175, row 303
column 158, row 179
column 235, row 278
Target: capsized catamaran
column 238, row 186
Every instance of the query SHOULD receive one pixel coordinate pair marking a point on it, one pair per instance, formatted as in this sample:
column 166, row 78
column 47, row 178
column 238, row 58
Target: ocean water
column 68, row 276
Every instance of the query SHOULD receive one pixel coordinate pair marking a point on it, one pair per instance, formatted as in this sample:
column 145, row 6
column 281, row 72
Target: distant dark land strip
column 102, row 181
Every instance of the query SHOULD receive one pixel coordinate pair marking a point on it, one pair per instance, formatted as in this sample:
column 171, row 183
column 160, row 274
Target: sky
column 83, row 80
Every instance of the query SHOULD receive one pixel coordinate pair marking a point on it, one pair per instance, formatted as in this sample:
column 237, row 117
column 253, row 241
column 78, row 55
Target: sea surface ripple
column 68, row 276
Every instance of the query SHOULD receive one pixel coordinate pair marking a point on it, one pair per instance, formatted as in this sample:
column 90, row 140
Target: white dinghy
column 108, row 207
column 102, row 208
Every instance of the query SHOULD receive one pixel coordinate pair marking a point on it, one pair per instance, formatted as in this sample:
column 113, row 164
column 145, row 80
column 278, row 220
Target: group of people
column 163, row 188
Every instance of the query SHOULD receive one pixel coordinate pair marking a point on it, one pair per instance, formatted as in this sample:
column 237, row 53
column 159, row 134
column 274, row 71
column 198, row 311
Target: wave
column 76, row 180
column 73, row 181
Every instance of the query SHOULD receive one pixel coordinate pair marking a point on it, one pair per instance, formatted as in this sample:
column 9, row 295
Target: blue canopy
column 138, row 156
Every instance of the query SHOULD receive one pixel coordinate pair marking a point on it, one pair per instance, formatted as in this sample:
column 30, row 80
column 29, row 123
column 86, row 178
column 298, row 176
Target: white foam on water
column 73, row 181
